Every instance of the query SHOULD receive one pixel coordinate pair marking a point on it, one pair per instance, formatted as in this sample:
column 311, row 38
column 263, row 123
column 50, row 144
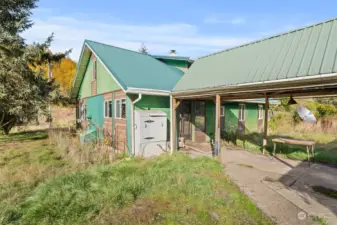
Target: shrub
column 325, row 110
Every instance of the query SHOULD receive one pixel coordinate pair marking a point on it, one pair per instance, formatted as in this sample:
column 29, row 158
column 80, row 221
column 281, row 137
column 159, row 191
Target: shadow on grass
column 24, row 136
column 253, row 141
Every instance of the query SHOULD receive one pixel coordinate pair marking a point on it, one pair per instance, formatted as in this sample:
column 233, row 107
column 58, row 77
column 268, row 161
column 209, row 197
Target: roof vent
column 173, row 52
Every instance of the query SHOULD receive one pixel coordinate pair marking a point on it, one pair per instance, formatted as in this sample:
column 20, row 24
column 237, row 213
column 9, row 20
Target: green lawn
column 39, row 185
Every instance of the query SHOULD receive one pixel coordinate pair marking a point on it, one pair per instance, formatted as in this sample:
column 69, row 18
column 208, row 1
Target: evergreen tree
column 23, row 91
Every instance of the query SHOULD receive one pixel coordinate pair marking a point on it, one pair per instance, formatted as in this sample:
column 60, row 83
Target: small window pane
column 118, row 109
column 222, row 111
column 123, row 109
column 110, row 109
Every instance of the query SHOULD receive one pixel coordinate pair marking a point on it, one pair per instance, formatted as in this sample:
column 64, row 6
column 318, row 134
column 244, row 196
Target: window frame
column 260, row 112
column 107, row 110
column 120, row 109
column 222, row 111
column 242, row 107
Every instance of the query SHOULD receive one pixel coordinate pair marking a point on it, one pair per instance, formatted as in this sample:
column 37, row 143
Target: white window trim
column 120, row 118
column 244, row 112
column 223, row 111
column 106, row 101
column 260, row 112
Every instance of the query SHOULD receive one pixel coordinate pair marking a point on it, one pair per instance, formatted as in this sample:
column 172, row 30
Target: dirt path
column 280, row 188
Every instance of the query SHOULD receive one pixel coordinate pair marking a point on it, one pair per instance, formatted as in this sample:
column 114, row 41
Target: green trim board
column 307, row 51
column 85, row 89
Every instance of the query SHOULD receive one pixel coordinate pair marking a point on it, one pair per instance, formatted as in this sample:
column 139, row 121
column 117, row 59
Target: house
column 111, row 83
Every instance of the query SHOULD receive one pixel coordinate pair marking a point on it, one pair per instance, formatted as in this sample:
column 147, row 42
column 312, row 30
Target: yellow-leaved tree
column 64, row 73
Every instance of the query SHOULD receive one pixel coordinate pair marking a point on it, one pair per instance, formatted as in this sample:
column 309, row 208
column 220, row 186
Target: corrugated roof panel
column 290, row 55
column 330, row 52
column 254, row 63
column 320, row 49
column 306, row 51
column 263, row 61
column 279, row 46
column 309, row 52
column 282, row 56
column 271, row 48
column 297, row 59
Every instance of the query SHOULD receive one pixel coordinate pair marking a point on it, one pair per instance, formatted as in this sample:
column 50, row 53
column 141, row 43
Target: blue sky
column 193, row 28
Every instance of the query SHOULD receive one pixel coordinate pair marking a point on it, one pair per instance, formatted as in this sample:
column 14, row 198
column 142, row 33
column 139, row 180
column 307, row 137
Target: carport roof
column 296, row 54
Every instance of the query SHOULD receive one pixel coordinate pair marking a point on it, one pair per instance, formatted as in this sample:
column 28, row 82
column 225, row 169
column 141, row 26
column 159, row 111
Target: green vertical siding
column 85, row 90
column 251, row 117
column 95, row 109
column 210, row 120
column 150, row 102
column 231, row 116
column 105, row 82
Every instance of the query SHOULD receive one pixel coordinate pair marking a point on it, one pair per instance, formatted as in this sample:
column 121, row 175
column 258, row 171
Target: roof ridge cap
column 125, row 49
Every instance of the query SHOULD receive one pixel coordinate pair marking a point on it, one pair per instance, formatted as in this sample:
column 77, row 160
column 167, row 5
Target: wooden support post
column 265, row 131
column 174, row 137
column 217, row 146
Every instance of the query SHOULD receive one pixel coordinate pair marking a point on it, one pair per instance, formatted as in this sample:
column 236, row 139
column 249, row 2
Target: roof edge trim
column 105, row 67
column 147, row 91
column 329, row 75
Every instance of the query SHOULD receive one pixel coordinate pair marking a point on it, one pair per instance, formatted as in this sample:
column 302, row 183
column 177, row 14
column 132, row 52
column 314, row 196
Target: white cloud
column 218, row 18
column 70, row 32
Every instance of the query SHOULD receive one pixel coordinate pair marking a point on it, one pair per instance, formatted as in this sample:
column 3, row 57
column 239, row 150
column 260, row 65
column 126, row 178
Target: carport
column 299, row 63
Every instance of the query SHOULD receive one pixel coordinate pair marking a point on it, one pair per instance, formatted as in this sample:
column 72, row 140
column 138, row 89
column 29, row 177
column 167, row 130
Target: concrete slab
column 282, row 188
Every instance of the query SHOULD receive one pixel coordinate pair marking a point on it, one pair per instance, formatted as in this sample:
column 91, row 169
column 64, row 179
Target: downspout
column 132, row 123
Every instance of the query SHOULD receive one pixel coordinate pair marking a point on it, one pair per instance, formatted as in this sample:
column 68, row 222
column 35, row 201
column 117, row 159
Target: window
column 108, row 109
column 242, row 115
column 120, row 109
column 94, row 69
column 260, row 112
column 222, row 111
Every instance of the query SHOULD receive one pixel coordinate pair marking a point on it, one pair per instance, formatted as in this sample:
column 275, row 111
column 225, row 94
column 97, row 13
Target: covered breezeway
column 299, row 63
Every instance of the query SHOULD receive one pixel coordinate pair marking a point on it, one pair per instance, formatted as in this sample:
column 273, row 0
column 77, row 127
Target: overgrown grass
column 24, row 136
column 39, row 186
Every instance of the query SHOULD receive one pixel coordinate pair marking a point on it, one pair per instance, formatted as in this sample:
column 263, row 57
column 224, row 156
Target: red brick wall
column 119, row 131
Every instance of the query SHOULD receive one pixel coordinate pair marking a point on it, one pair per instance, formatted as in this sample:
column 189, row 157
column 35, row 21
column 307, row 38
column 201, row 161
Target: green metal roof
column 130, row 69
column 170, row 57
column 303, row 52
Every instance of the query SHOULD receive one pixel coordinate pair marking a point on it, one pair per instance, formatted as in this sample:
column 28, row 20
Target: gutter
column 132, row 122
column 147, row 91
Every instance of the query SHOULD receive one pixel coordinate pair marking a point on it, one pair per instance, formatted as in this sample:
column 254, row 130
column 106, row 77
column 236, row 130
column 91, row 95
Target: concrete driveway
column 284, row 189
